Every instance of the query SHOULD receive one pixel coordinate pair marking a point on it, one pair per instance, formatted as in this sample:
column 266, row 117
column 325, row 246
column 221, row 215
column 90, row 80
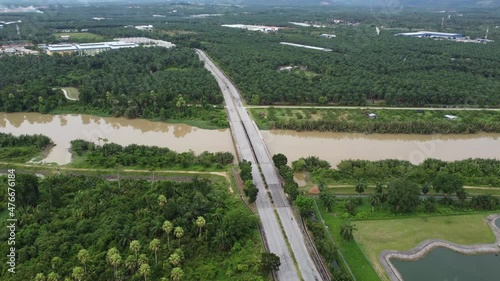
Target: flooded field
column 64, row 128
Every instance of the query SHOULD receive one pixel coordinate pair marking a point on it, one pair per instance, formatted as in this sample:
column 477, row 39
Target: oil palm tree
column 135, row 246
column 200, row 223
column 145, row 270
column 167, row 227
column 347, row 229
column 78, row 273
column 154, row 245
column 176, row 274
column 179, row 232
column 83, row 256
column 375, row 200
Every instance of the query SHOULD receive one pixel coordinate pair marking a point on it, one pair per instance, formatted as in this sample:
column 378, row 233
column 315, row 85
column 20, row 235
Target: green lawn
column 403, row 234
column 81, row 36
column 355, row 258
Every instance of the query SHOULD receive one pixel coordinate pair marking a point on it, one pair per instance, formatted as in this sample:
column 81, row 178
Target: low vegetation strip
column 24, row 147
column 112, row 155
column 395, row 121
column 425, row 247
column 374, row 237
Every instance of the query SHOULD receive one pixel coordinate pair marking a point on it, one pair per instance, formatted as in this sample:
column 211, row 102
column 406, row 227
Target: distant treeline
column 111, row 155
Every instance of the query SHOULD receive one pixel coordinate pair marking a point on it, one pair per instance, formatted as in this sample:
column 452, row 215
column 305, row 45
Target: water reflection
column 64, row 128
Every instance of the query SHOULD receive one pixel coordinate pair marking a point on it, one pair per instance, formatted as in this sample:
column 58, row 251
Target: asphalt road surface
column 250, row 146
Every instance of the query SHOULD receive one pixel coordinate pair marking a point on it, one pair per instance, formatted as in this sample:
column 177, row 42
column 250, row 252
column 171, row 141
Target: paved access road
column 250, row 146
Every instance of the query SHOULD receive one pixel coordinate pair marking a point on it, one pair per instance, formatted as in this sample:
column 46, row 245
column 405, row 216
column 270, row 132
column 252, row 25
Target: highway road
column 251, row 146
column 270, row 224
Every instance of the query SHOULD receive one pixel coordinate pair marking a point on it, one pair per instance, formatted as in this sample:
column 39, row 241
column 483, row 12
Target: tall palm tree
column 347, row 230
column 142, row 259
column 83, row 256
column 40, row 277
column 167, row 227
column 328, row 200
column 144, row 270
column 53, row 277
column 375, row 200
column 131, row 264
column 179, row 232
column 200, row 223
column 162, row 200
column 114, row 259
column 135, row 246
column 78, row 273
column 361, row 186
column 176, row 274
column 174, row 259
column 154, row 245
column 56, row 262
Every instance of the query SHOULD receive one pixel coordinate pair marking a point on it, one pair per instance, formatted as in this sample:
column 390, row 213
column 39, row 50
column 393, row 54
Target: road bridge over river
column 251, row 147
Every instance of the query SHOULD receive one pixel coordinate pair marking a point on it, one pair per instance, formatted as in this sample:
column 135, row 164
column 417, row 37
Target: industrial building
column 430, row 34
column 88, row 49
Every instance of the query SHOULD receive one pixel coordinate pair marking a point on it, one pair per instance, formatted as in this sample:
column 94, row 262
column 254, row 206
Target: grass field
column 81, row 36
column 355, row 258
column 403, row 234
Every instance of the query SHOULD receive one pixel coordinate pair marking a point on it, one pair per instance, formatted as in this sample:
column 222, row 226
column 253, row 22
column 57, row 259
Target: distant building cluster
column 328, row 35
column 457, row 37
column 144, row 27
column 261, row 28
column 146, row 42
column 429, row 34
column 85, row 49
column 17, row 49
column 307, row 24
column 90, row 49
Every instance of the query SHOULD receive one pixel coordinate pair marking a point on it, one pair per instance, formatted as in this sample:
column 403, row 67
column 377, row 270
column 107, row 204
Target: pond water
column 64, row 128
column 497, row 223
column 443, row 264
column 335, row 147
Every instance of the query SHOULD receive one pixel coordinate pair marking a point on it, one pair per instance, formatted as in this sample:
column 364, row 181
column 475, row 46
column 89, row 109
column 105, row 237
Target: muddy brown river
column 332, row 147
column 335, row 147
column 64, row 128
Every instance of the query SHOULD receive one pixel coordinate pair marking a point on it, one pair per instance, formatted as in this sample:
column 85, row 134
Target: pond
column 497, row 223
column 64, row 128
column 444, row 264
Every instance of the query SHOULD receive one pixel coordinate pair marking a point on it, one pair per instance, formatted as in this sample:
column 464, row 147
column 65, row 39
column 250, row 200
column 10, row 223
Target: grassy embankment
column 403, row 234
column 387, row 121
column 384, row 231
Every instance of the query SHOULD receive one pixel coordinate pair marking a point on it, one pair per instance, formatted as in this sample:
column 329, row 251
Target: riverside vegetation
column 112, row 155
column 22, row 148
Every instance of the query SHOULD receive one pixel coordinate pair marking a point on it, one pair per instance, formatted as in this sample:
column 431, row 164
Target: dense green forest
column 153, row 83
column 87, row 228
column 22, row 148
column 112, row 155
column 385, row 121
column 474, row 172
